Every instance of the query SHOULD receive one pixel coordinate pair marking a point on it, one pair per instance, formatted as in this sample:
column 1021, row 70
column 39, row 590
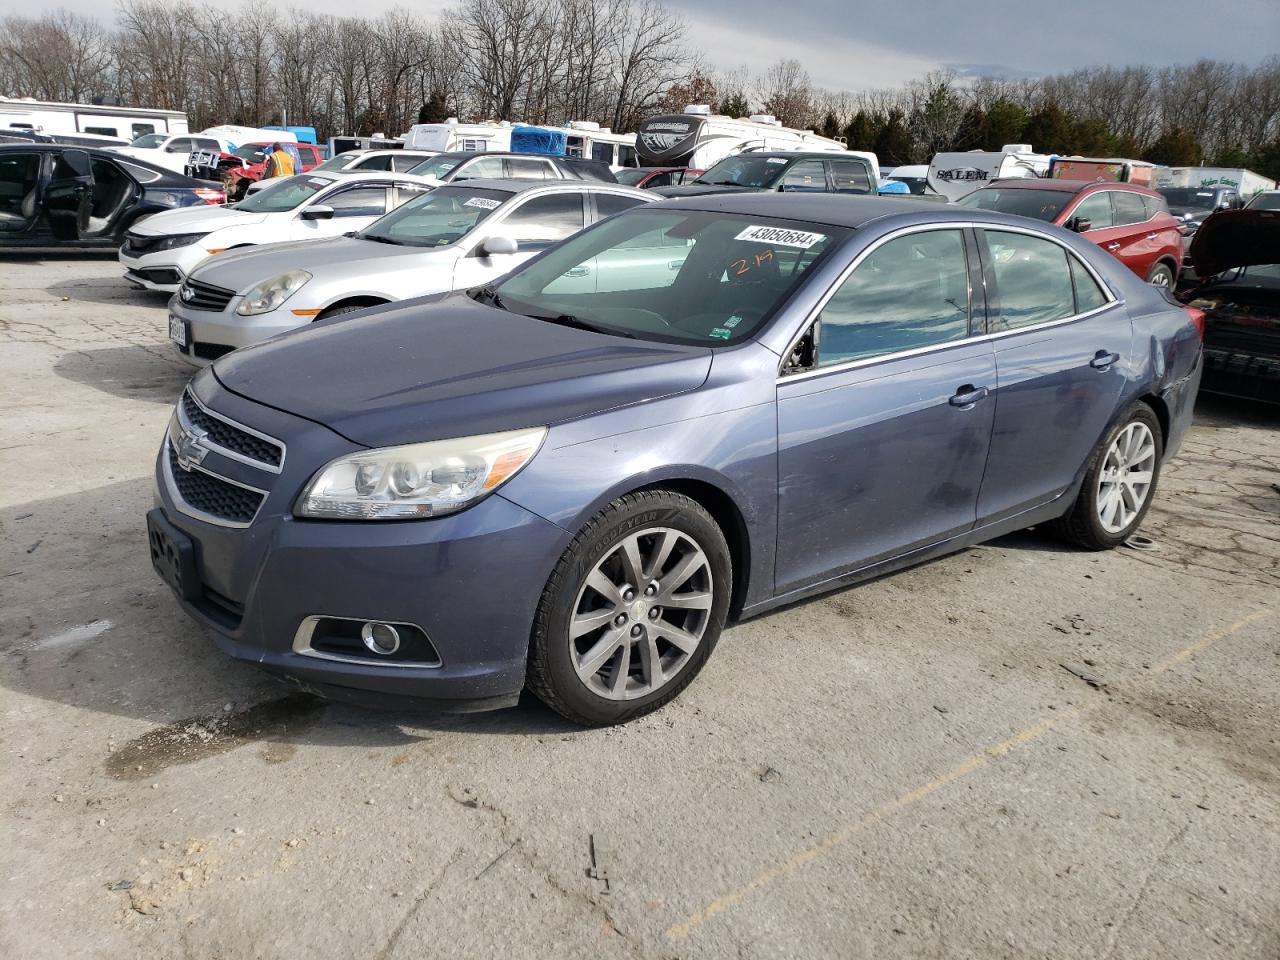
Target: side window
column 1033, row 281
column 541, row 221
column 1154, row 205
column 407, row 191
column 358, row 202
column 142, row 129
column 658, row 180
column 1129, row 208
column 1089, row 295
column 602, row 152
column 1096, row 208
column 204, row 143
column 607, row 204
column 401, row 164
column 809, row 176
column 850, row 177
column 523, row 169
column 104, row 131
column 19, row 174
column 910, row 292
column 178, row 145
column 481, row 167
column 382, row 162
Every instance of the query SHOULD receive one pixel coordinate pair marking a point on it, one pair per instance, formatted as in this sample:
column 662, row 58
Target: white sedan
column 161, row 250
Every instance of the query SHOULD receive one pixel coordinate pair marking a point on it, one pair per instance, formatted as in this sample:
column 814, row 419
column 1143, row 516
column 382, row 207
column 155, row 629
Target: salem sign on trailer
column 956, row 175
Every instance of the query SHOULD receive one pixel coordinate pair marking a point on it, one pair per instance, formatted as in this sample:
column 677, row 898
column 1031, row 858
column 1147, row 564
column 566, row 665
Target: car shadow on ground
column 109, row 291
column 87, row 623
column 154, row 373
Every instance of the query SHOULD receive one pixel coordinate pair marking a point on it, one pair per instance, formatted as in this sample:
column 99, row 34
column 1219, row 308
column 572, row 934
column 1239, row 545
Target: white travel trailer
column 126, row 123
column 594, row 142
column 956, row 175
column 698, row 139
column 452, row 136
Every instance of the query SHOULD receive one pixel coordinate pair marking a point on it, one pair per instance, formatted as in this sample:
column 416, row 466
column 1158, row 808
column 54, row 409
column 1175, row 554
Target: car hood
column 195, row 220
column 702, row 189
column 441, row 367
column 1236, row 238
column 240, row 270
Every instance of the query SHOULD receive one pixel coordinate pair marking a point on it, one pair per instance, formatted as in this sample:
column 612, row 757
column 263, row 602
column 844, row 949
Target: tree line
column 552, row 61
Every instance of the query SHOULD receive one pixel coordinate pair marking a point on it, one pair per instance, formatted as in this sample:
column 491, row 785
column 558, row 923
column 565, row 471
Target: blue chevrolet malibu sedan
column 693, row 412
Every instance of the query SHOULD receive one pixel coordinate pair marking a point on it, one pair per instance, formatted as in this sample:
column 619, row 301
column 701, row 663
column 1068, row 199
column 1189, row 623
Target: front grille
column 228, row 436
column 204, row 296
column 212, row 495
column 158, row 274
column 221, row 610
column 210, row 351
column 137, row 244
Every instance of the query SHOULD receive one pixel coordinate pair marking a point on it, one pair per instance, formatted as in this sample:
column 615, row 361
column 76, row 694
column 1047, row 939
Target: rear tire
column 632, row 610
column 1118, row 486
column 1160, row 276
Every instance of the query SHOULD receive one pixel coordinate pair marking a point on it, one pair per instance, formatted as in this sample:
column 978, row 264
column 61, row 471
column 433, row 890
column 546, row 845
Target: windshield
column 335, row 163
column 1189, row 199
column 743, row 171
column 149, row 141
column 1265, row 201
column 285, row 194
column 1037, row 204
column 679, row 276
column 436, row 219
column 253, row 152
column 631, row 177
column 436, row 166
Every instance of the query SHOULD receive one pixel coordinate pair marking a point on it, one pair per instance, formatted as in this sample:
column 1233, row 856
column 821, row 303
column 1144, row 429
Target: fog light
column 381, row 638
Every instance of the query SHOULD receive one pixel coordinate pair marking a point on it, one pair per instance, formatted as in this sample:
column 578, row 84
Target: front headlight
column 419, row 480
column 270, row 294
column 177, row 240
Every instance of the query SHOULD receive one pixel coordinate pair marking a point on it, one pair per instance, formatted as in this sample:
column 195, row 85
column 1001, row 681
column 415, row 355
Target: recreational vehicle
column 697, row 138
column 454, row 137
column 127, row 123
column 956, row 175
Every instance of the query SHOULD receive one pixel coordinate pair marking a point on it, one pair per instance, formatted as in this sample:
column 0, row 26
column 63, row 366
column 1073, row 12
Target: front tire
column 632, row 611
column 1119, row 484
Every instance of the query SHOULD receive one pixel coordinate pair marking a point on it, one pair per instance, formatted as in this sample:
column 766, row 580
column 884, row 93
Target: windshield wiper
column 567, row 320
column 487, row 293
column 379, row 239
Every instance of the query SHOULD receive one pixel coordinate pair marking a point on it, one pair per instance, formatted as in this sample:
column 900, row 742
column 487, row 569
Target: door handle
column 1153, row 236
column 674, row 264
column 1102, row 360
column 578, row 272
column 1113, row 246
column 968, row 395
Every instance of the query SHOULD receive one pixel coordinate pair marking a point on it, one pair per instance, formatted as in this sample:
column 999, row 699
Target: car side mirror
column 318, row 212
column 498, row 245
column 1080, row 224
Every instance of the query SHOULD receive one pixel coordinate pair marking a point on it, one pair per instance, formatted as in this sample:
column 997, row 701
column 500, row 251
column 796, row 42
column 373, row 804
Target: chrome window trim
column 302, row 645
column 191, row 511
column 226, row 452
column 1098, row 193
column 782, row 377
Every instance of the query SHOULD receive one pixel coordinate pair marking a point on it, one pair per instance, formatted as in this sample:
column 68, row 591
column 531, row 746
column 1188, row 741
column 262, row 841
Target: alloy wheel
column 1125, row 479
column 641, row 613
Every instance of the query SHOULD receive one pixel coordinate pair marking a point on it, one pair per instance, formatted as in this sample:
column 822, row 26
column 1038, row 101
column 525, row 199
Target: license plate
column 178, row 331
column 173, row 555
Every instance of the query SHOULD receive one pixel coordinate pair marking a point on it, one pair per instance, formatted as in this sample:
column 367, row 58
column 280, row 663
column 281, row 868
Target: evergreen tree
column 830, row 126
column 861, row 132
column 1175, row 147
column 893, row 141
column 435, row 110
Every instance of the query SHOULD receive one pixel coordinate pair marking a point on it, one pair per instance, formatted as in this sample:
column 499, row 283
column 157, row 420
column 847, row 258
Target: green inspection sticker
column 724, row 333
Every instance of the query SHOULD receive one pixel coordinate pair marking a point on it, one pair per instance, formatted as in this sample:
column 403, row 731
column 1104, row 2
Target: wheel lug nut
column 637, row 630
column 629, row 596
column 655, row 612
column 650, row 590
column 620, row 619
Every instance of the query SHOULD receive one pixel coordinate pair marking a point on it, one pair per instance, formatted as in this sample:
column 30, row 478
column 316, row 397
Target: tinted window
column 607, row 204
column 142, row 129
column 1034, row 203
column 807, row 176
column 358, row 202
column 1129, row 207
column 910, row 292
column 481, row 167
column 527, row 169
column 1033, row 281
column 1089, row 295
column 399, row 163
column 539, row 221
column 1096, row 208
column 104, row 131
column 178, row 145
column 658, row 180
column 602, row 152
column 19, row 173
column 1265, row 201
column 380, row 162
column 204, row 143
column 633, row 177
column 850, row 177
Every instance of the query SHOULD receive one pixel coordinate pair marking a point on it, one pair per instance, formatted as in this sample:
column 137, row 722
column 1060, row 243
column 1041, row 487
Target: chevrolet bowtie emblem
column 191, row 450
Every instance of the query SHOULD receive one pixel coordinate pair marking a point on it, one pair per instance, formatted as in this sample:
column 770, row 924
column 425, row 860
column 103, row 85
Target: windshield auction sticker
column 484, row 203
column 781, row 236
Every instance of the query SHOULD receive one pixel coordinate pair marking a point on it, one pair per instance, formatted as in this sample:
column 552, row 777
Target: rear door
column 528, row 168
column 805, row 176
column 884, row 425
column 1062, row 352
column 1139, row 238
column 19, row 191
column 69, row 197
column 850, row 176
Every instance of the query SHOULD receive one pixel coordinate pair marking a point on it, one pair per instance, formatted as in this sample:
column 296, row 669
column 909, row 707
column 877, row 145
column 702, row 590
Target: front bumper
column 163, row 271
column 1243, row 374
column 471, row 581
column 211, row 333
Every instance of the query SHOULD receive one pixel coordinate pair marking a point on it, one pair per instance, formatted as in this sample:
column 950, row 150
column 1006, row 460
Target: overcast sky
column 851, row 46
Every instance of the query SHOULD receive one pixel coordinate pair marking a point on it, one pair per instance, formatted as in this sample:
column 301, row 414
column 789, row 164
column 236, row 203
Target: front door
column 19, row 191
column 1062, row 347
column 534, row 224
column 354, row 208
column 69, row 197
column 885, row 420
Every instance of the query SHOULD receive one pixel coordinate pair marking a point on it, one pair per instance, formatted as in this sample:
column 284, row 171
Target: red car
column 1131, row 223
column 650, row 177
column 247, row 164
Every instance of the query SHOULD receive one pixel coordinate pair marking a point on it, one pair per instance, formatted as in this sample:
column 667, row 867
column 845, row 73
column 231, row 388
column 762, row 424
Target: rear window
column 1037, row 204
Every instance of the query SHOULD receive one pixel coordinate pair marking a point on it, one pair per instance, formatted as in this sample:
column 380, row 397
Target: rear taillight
column 1197, row 319
column 209, row 195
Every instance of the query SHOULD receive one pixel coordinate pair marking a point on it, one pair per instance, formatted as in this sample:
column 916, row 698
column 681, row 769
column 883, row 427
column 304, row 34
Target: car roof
column 358, row 176
column 801, row 154
column 833, row 209
column 512, row 185
column 1066, row 186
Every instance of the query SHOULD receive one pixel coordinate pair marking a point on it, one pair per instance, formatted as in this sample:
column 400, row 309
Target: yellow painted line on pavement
column 779, row 871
